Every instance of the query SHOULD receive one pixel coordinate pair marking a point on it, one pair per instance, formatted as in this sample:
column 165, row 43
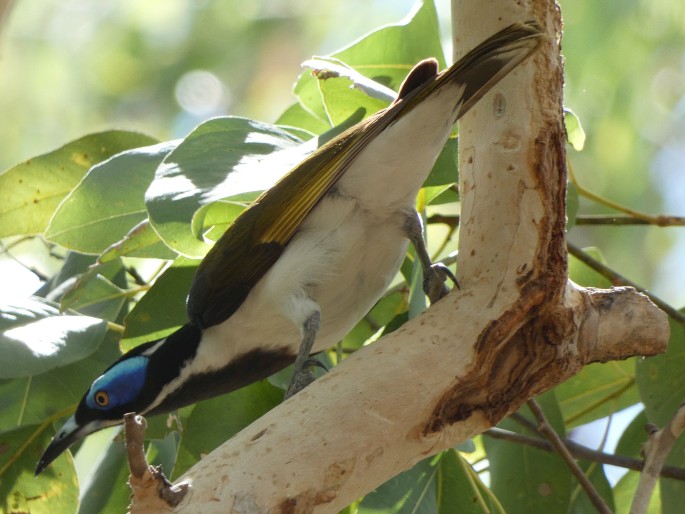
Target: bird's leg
column 434, row 275
column 302, row 375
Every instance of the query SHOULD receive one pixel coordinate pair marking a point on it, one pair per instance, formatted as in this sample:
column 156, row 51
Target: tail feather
column 484, row 66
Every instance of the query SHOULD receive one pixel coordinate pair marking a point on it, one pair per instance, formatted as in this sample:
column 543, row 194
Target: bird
column 309, row 257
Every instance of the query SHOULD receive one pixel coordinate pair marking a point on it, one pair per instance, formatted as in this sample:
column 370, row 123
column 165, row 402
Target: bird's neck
column 176, row 376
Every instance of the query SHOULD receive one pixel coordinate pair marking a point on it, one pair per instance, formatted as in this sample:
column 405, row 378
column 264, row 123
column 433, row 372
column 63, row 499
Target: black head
column 131, row 384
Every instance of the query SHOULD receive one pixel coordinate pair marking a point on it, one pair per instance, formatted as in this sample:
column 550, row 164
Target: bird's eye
column 102, row 398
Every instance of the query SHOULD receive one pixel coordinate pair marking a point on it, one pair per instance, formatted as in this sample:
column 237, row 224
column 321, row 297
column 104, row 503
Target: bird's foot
column 434, row 278
column 303, row 377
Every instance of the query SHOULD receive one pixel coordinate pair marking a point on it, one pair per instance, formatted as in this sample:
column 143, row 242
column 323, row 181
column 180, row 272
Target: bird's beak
column 67, row 435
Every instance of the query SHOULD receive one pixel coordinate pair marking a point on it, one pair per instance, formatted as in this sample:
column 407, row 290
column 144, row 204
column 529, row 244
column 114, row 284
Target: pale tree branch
column 656, row 449
column 516, row 327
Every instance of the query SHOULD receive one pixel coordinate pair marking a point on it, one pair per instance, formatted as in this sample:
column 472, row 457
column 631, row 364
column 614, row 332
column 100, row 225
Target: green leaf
column 384, row 56
column 633, row 437
column 661, row 380
column 34, row 399
column 221, row 158
column 73, row 265
column 572, row 205
column 443, row 484
column 218, row 215
column 581, row 503
column 460, row 490
column 526, row 479
column 141, row 241
column 35, row 338
column 446, row 168
column 574, row 130
column 55, row 490
column 387, row 54
column 108, row 202
column 346, row 91
column 214, row 421
column 93, row 293
column 163, row 308
column 31, row 191
column 297, row 116
column 105, row 489
column 584, row 275
column 599, row 390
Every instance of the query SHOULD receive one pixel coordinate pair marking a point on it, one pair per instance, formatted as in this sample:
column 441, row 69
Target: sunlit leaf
column 384, row 56
column 108, row 202
column 35, row 338
column 574, row 130
column 31, row 191
column 221, row 158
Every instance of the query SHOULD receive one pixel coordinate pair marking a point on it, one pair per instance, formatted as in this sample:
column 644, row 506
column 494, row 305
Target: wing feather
column 258, row 237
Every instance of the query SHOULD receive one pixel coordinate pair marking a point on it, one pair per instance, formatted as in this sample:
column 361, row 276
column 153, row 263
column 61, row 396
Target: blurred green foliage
column 162, row 68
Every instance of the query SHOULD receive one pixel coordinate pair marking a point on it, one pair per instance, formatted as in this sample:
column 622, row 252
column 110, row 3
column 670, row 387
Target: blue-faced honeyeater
column 309, row 258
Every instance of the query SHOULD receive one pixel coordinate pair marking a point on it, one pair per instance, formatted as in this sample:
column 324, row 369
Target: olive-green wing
column 258, row 237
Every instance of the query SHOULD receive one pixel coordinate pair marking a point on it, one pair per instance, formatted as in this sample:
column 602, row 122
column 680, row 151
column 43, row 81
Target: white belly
column 343, row 259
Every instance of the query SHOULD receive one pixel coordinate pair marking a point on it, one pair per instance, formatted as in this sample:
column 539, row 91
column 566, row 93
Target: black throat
column 181, row 346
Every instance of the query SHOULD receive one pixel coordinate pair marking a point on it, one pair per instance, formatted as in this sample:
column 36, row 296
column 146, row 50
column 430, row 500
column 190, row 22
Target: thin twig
column 546, row 429
column 133, row 272
column 583, row 452
column 656, row 449
column 618, row 279
column 624, row 219
column 659, row 220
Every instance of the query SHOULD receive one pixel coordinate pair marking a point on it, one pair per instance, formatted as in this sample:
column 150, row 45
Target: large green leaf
column 31, row 191
column 108, row 202
column 526, row 479
column 34, row 399
column 599, row 390
column 55, row 490
column 221, row 158
column 35, row 338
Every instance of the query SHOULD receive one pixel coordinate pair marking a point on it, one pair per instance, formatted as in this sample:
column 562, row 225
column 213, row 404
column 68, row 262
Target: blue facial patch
column 119, row 385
